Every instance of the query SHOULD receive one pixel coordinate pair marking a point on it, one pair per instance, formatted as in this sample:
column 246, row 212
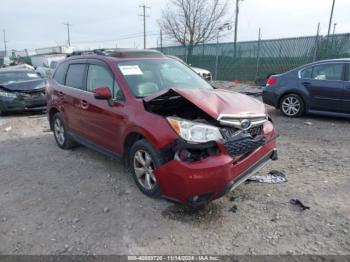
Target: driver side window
column 98, row 76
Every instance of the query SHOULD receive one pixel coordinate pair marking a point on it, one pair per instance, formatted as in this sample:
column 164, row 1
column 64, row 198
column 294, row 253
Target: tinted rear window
column 60, row 73
column 75, row 76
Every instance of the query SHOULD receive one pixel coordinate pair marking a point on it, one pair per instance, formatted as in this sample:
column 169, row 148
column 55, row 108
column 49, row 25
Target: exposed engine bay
column 237, row 142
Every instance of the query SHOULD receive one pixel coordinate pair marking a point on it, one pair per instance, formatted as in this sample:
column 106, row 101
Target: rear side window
column 75, row 76
column 328, row 72
column 306, row 73
column 60, row 73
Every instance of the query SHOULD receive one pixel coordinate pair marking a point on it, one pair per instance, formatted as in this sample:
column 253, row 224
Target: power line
column 144, row 7
column 68, row 33
column 125, row 37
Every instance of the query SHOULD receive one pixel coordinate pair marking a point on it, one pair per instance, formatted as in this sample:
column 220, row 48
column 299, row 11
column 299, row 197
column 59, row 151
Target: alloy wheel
column 291, row 106
column 59, row 131
column 143, row 167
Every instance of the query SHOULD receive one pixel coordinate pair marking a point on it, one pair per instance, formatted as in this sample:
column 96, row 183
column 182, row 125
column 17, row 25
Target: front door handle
column 84, row 104
column 347, row 87
column 60, row 93
column 306, row 84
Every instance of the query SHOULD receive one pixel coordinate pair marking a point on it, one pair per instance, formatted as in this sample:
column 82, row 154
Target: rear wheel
column 60, row 132
column 292, row 105
column 144, row 159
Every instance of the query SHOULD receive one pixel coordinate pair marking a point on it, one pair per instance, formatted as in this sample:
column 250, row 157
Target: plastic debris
column 273, row 177
column 233, row 209
column 8, row 129
column 297, row 202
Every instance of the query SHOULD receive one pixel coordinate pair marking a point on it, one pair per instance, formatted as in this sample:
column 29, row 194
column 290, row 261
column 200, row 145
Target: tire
column 142, row 151
column 62, row 138
column 292, row 105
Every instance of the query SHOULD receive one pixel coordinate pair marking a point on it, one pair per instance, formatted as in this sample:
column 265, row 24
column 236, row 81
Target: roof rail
column 119, row 52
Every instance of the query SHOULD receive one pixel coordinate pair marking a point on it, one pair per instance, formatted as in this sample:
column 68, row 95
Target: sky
column 116, row 23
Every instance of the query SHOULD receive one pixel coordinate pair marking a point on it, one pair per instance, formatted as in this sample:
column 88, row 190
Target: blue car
column 321, row 87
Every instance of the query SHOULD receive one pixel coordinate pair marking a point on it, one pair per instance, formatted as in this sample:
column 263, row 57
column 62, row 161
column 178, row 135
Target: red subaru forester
column 181, row 138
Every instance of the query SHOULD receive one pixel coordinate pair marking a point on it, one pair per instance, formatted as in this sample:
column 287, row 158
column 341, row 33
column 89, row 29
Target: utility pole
column 144, row 7
column 161, row 41
column 236, row 26
column 330, row 19
column 258, row 56
column 316, row 42
column 334, row 26
column 68, row 25
column 5, row 42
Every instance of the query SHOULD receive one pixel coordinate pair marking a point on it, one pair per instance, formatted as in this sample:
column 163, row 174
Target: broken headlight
column 7, row 94
column 194, row 131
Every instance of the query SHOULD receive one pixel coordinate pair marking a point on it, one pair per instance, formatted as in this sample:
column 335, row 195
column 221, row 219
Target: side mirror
column 102, row 93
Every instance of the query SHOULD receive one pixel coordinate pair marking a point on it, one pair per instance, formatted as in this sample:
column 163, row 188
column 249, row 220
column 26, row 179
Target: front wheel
column 60, row 132
column 144, row 159
column 292, row 105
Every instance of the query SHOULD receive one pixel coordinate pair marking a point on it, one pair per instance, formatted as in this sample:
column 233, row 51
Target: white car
column 203, row 73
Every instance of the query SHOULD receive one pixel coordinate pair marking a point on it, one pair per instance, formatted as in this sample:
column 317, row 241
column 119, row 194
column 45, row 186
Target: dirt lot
column 80, row 202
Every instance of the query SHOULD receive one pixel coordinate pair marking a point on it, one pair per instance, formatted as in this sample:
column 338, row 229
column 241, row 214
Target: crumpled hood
column 216, row 102
column 25, row 86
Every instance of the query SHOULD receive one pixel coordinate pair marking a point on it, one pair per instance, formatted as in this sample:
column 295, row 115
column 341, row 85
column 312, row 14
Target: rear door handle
column 306, row 84
column 84, row 104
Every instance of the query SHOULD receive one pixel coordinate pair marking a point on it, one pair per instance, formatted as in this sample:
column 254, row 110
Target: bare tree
column 190, row 22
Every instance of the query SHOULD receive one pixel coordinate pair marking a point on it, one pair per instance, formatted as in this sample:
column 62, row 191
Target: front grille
column 255, row 131
column 243, row 146
column 230, row 132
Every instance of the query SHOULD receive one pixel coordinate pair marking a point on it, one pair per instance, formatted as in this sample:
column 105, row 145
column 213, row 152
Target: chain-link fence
column 255, row 60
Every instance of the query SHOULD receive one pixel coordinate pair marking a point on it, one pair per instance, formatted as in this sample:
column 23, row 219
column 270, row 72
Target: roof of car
column 17, row 71
column 333, row 60
column 119, row 53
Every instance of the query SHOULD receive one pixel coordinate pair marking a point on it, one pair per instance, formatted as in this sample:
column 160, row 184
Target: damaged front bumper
column 197, row 183
column 26, row 102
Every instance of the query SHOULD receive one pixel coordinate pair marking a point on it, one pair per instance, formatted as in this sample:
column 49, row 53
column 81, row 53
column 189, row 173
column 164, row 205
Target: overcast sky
column 109, row 23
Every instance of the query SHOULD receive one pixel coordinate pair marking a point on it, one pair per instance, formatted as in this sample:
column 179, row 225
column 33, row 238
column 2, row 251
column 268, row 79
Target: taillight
column 271, row 81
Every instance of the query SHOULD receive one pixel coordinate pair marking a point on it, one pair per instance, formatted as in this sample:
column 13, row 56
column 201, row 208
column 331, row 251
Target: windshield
column 146, row 77
column 14, row 77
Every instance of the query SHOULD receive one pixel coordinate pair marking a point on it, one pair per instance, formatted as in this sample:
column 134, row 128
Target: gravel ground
column 80, row 202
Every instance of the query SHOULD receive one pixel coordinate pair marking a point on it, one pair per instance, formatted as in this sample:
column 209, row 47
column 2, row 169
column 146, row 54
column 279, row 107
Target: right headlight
column 7, row 94
column 194, row 131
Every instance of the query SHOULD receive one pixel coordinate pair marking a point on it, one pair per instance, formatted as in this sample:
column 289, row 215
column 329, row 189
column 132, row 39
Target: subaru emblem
column 245, row 124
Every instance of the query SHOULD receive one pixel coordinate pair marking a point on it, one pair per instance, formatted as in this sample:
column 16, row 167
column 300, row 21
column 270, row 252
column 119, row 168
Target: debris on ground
column 308, row 123
column 233, row 209
column 297, row 202
column 273, row 177
column 106, row 210
column 8, row 129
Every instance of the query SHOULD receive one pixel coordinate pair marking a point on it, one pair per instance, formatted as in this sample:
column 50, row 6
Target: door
column 346, row 103
column 103, row 120
column 325, row 85
column 74, row 92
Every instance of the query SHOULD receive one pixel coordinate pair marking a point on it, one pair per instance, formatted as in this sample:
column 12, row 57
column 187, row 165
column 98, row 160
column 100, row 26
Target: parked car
column 21, row 90
column 205, row 74
column 322, row 87
column 181, row 138
column 46, row 72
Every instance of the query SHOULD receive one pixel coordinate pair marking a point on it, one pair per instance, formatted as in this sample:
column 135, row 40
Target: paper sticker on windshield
column 128, row 70
column 32, row 75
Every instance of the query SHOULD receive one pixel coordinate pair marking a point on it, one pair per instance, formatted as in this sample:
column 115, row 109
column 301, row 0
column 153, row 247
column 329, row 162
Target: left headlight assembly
column 193, row 131
column 7, row 94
